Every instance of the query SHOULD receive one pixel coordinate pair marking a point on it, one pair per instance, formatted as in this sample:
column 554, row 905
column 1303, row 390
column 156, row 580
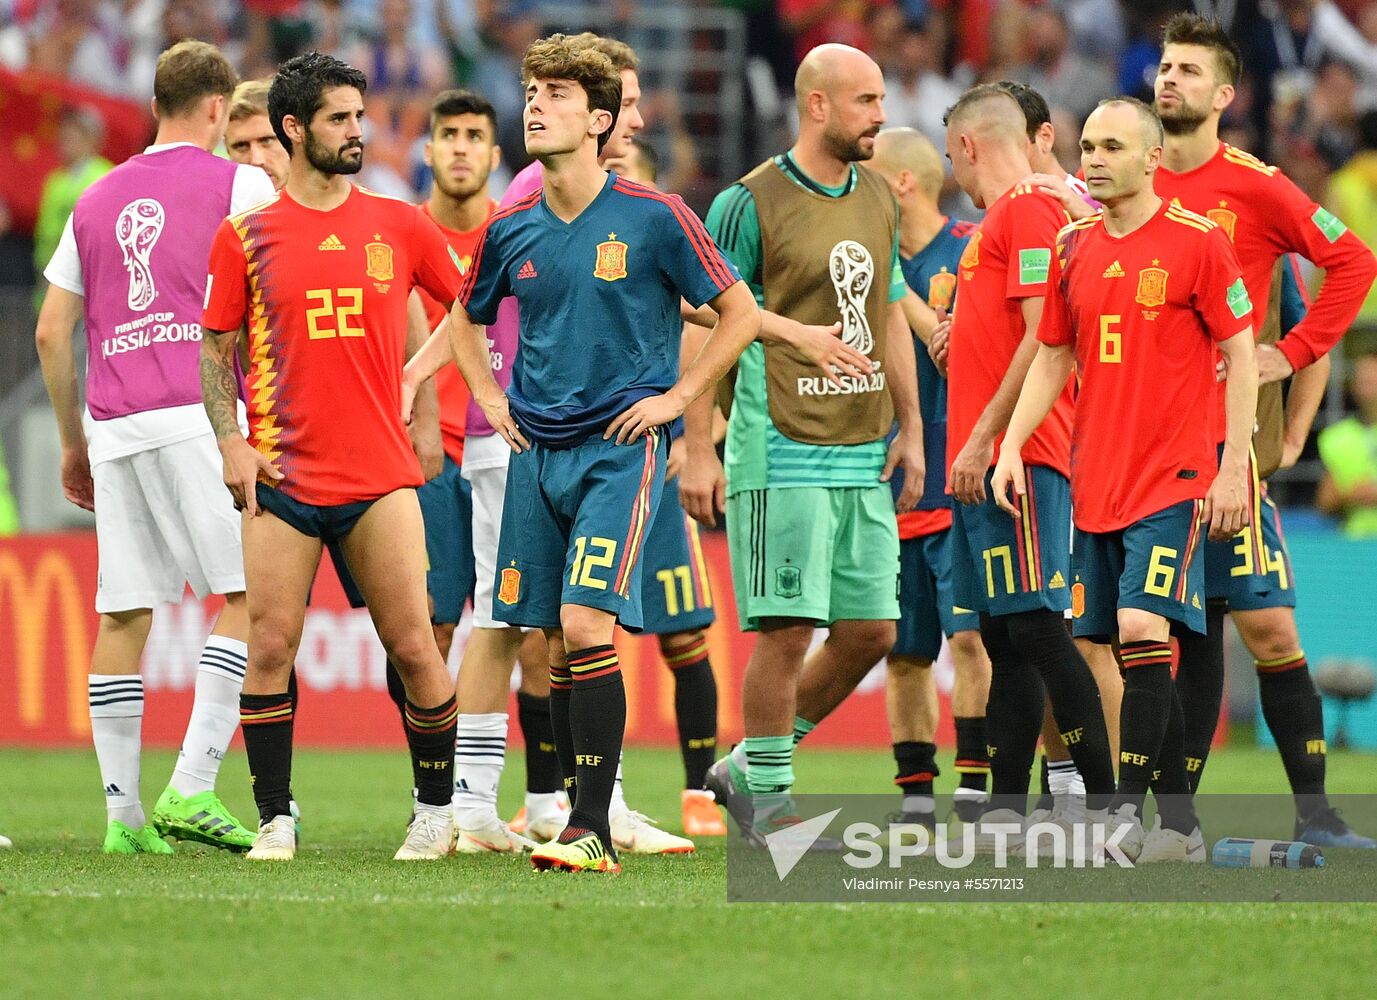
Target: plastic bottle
column 1241, row 852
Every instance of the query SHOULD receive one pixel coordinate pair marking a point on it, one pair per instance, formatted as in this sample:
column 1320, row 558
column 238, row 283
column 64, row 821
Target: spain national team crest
column 942, row 289
column 509, row 589
column 1152, row 286
column 611, row 264
column 1224, row 219
column 788, row 581
column 1077, row 599
column 379, row 259
column 970, row 257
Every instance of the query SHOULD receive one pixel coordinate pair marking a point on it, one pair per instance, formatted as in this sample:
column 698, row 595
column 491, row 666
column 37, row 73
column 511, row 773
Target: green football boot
column 122, row 839
column 202, row 818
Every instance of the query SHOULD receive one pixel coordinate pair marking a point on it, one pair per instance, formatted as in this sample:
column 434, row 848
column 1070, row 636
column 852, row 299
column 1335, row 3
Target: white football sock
column 480, row 751
column 738, row 756
column 117, row 730
column 1063, row 779
column 214, row 715
column 617, row 805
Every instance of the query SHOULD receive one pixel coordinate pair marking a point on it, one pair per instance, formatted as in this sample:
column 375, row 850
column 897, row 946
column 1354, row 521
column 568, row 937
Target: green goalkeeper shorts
column 817, row 553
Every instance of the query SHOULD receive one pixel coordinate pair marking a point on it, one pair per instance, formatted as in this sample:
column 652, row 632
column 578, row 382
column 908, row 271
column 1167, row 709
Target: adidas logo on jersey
column 331, row 242
column 1057, row 581
column 1113, row 271
column 527, row 270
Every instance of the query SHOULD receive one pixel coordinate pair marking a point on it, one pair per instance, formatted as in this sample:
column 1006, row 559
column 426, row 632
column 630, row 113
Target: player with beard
column 810, row 516
column 1266, row 216
column 319, row 278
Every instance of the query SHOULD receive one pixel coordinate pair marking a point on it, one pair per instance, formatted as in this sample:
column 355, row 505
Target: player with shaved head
column 810, row 517
column 1015, row 572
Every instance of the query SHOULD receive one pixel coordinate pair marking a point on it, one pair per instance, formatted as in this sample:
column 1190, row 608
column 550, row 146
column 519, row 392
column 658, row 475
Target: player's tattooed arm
column 738, row 323
column 243, row 464
column 219, row 384
column 1046, row 379
column 906, row 450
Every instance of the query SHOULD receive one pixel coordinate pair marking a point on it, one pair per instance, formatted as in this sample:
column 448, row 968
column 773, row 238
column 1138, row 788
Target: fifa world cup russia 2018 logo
column 137, row 229
column 852, row 270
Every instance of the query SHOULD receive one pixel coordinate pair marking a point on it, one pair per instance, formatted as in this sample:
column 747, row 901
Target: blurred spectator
column 1143, row 49
column 1066, row 78
column 1354, row 41
column 79, row 138
column 492, row 63
column 1349, row 452
column 917, row 95
column 1353, row 198
column 404, row 72
column 1096, row 27
column 813, row 22
column 177, row 21
column 79, row 39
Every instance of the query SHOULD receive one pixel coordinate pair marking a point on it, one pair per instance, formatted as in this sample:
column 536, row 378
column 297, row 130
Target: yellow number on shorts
column 1111, row 341
column 585, row 561
column 1006, row 555
column 669, row 578
column 1243, row 548
column 1276, row 562
column 349, row 306
column 1160, row 573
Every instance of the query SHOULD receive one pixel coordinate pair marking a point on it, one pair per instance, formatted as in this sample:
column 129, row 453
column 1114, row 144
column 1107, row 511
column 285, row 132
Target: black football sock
column 972, row 757
column 1143, row 718
column 917, row 767
column 430, row 735
column 695, row 708
column 1171, row 782
column 293, row 693
column 396, row 690
column 1295, row 715
column 561, row 691
column 1075, row 697
column 266, row 721
column 1013, row 717
column 597, row 717
column 542, row 763
column 1200, row 685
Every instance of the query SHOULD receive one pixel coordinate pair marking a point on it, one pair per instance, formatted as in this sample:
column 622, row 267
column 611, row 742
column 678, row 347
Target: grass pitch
column 344, row 920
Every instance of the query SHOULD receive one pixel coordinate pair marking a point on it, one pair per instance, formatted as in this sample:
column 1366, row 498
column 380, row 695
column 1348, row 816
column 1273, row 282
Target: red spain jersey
column 1005, row 262
column 1266, row 215
column 323, row 298
column 1143, row 312
column 450, row 387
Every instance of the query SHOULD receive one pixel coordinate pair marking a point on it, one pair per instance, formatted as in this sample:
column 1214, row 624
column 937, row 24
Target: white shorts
column 164, row 519
column 485, row 467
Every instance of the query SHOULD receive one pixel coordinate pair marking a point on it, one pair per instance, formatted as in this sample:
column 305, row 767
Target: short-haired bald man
column 810, row 517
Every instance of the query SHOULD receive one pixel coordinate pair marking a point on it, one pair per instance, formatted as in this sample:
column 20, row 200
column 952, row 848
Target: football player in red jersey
column 1137, row 298
column 319, row 277
column 1014, row 572
column 1265, row 215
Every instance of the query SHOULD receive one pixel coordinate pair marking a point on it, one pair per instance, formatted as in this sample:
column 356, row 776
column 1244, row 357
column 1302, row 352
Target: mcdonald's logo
column 41, row 609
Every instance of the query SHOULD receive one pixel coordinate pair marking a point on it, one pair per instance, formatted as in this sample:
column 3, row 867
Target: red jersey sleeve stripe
column 703, row 245
column 1294, row 264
